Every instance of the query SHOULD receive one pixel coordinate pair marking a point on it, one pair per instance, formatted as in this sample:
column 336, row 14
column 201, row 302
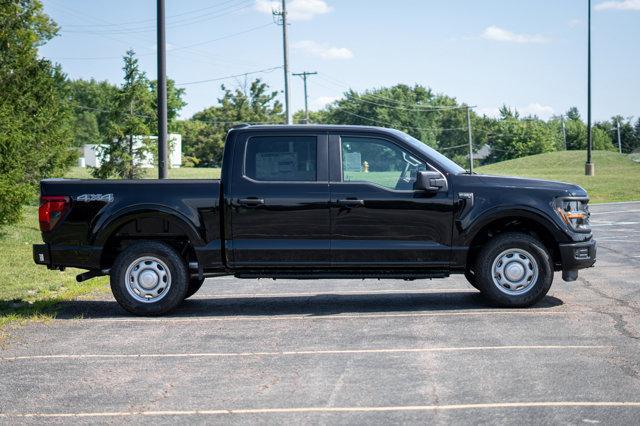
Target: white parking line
column 332, row 293
column 303, row 353
column 615, row 202
column 325, row 317
column 616, row 211
column 294, row 410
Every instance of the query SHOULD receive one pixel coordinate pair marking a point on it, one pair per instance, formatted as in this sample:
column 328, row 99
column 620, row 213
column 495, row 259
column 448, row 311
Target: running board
column 324, row 274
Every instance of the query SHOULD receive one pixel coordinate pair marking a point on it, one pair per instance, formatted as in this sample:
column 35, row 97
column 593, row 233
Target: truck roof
column 324, row 127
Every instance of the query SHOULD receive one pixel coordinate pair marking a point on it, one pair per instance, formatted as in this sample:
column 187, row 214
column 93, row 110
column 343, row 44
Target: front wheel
column 514, row 270
column 194, row 286
column 149, row 278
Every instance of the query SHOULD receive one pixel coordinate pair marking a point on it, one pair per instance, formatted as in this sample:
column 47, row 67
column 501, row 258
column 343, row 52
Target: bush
column 12, row 197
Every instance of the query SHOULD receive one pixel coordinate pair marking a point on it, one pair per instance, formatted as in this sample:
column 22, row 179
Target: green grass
column 27, row 290
column 617, row 177
column 181, row 173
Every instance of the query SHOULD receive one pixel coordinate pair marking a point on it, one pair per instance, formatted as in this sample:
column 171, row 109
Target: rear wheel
column 149, row 278
column 514, row 270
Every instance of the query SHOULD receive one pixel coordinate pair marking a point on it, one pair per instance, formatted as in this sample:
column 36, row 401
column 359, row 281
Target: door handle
column 349, row 202
column 251, row 201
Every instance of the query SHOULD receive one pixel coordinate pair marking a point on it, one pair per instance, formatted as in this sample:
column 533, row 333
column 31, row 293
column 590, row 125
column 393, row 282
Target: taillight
column 51, row 210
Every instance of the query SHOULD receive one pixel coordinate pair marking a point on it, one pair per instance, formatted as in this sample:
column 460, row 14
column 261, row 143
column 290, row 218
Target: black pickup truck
column 317, row 202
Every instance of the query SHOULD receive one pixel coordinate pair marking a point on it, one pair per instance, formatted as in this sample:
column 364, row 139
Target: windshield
column 449, row 165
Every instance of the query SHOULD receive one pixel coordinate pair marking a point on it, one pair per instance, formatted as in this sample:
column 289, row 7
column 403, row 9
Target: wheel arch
column 523, row 220
column 146, row 223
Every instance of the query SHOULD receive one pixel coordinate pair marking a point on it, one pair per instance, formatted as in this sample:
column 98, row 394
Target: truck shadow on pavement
column 315, row 305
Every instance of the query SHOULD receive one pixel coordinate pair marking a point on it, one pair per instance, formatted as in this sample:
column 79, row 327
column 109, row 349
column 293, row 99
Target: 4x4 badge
column 105, row 198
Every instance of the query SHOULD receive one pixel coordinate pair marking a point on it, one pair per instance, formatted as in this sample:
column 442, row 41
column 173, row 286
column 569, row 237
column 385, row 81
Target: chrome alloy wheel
column 148, row 279
column 514, row 271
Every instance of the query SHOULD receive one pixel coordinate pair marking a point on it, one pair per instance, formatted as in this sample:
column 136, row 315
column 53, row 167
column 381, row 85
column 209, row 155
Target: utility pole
column 619, row 140
column 162, row 93
column 304, row 75
column 564, row 132
column 281, row 19
column 589, row 167
column 470, row 140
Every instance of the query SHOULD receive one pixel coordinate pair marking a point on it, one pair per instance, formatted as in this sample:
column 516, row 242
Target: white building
column 89, row 156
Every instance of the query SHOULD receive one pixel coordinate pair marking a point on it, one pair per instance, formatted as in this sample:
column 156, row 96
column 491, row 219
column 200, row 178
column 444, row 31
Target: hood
column 527, row 183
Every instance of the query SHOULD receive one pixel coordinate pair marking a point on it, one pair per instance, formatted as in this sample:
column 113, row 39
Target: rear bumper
column 83, row 257
column 41, row 254
column 576, row 256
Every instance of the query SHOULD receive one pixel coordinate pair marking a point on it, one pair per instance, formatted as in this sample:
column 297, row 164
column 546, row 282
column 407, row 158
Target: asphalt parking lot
column 345, row 351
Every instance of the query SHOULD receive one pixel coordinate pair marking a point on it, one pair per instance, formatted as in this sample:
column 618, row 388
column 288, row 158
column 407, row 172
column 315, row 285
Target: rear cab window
column 281, row 158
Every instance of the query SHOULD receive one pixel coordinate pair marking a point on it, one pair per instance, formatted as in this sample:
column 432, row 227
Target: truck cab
column 315, row 201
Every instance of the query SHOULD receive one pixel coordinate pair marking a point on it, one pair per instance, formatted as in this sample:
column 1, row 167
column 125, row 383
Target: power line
column 121, row 29
column 199, row 55
column 266, row 70
column 188, row 46
column 387, row 123
column 150, row 20
column 402, row 104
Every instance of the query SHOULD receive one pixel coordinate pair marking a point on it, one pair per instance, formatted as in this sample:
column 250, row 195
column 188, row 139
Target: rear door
column 378, row 219
column 280, row 201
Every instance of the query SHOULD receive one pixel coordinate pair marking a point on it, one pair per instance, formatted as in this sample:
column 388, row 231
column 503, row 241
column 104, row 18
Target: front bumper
column 574, row 256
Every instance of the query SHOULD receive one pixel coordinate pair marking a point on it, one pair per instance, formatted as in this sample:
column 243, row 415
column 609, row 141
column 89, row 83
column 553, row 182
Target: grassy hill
column 617, row 177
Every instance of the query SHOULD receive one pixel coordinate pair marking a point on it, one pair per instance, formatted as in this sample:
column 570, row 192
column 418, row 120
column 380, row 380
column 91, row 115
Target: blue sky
column 529, row 54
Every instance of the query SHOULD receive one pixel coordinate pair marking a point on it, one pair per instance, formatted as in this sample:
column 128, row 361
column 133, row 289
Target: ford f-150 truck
column 317, row 201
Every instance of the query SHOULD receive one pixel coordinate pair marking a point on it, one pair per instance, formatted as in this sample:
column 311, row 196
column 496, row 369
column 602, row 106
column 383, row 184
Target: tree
column 35, row 119
column 204, row 134
column 577, row 133
column 127, row 144
column 85, row 129
column 517, row 138
column 410, row 109
column 174, row 103
column 96, row 98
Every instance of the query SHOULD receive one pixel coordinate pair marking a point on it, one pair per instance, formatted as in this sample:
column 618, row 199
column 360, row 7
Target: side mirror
column 431, row 182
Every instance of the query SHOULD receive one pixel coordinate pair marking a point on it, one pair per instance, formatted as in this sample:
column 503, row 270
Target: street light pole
column 589, row 167
column 619, row 139
column 162, row 94
column 564, row 132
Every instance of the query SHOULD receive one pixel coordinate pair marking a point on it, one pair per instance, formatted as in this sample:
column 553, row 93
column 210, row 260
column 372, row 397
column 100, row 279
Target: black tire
column 533, row 290
column 176, row 274
column 194, row 286
column 471, row 278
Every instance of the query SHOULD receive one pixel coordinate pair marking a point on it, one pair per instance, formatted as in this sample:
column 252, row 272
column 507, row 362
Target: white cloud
column 297, row 10
column 323, row 101
column 619, row 5
column 500, row 34
column 322, row 50
column 534, row 108
column 537, row 109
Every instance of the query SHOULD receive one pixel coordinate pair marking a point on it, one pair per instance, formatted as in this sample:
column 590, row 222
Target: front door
column 280, row 204
column 378, row 219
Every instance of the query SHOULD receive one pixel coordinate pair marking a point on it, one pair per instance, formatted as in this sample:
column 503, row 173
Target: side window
column 380, row 162
column 281, row 158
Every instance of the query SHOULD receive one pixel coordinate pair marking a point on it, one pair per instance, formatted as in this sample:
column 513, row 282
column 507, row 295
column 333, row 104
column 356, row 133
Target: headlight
column 574, row 212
